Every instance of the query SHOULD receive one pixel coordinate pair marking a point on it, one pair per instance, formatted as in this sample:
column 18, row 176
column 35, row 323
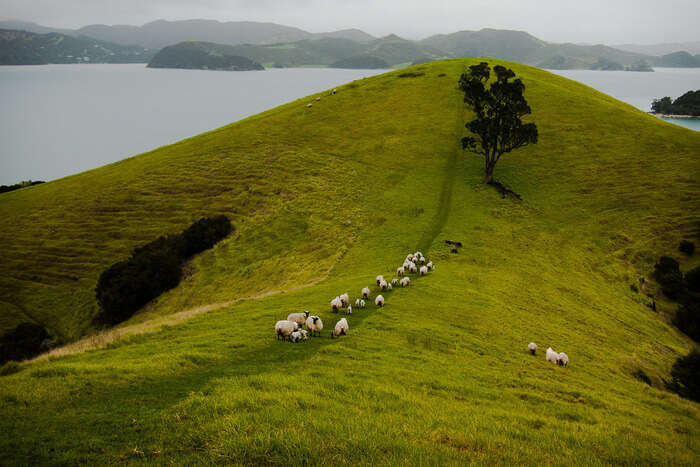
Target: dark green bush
column 692, row 279
column 668, row 274
column 687, row 319
column 126, row 286
column 9, row 368
column 687, row 247
column 22, row 342
column 686, row 376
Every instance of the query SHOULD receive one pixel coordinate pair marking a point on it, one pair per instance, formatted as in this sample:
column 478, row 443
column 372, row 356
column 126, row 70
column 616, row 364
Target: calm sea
column 56, row 120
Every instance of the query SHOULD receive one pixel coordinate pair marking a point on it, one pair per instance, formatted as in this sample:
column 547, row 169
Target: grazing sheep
column 401, row 271
column 357, row 303
column 348, row 310
column 410, row 258
column 423, row 270
column 314, row 324
column 345, row 299
column 309, row 105
column 413, row 268
column 552, row 356
column 389, row 287
column 431, row 266
column 336, row 304
column 394, row 282
column 365, row 292
column 422, row 260
column 379, row 301
column 318, row 99
column 563, row 359
column 454, row 250
column 406, row 265
column 362, row 303
column 418, row 255
column 341, row 328
column 532, row 347
column 285, row 328
column 299, row 318
column 459, row 244
column 383, row 284
column 380, row 278
column 334, row 91
column 298, row 335
column 405, row 281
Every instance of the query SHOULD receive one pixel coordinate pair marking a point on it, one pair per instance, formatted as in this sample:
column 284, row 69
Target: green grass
column 324, row 199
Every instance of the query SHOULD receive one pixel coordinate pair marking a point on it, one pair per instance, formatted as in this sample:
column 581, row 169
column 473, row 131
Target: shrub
column 686, row 376
column 668, row 274
column 22, row 342
column 9, row 368
column 687, row 247
column 687, row 319
column 692, row 279
column 126, row 286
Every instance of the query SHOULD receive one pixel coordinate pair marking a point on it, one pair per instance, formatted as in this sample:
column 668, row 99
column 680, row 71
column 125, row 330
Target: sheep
column 309, row 105
column 430, row 266
column 298, row 317
column 380, row 278
column 422, row 260
column 383, row 284
column 345, row 299
column 318, row 99
column 406, row 264
column 532, row 348
column 552, row 356
column 563, row 359
column 298, row 335
column 410, row 258
column 365, row 292
column 334, row 91
column 389, row 287
column 314, row 324
column 423, row 270
column 405, row 281
column 362, row 303
column 336, row 304
column 413, row 268
column 394, row 282
column 348, row 310
column 379, row 301
column 357, row 303
column 401, row 271
column 285, row 328
column 341, row 328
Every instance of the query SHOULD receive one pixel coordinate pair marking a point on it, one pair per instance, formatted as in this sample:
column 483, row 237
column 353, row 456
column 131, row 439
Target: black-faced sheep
column 348, row 310
column 345, row 299
column 401, row 271
column 285, row 328
column 563, row 359
column 552, row 356
column 532, row 348
column 314, row 324
column 341, row 328
column 365, row 293
column 383, row 284
column 423, row 270
column 380, row 278
column 299, row 318
column 405, row 281
column 336, row 304
column 379, row 301
column 394, row 282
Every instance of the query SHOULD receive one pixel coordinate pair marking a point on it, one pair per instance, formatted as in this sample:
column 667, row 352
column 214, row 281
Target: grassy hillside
column 324, row 198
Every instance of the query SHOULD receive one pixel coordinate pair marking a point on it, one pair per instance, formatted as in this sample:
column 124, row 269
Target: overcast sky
column 597, row 21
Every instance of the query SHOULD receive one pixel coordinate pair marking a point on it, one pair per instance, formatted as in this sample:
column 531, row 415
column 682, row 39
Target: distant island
column 26, row 48
column 686, row 106
column 202, row 56
column 365, row 62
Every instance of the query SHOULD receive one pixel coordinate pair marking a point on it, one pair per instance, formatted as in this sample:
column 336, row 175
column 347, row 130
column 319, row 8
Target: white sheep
column 362, row 303
column 383, row 284
column 285, row 328
column 380, row 278
column 394, row 282
column 365, row 292
column 341, row 328
column 405, row 281
column 423, row 270
column 336, row 304
column 345, row 299
column 422, row 260
column 318, row 99
column 309, row 105
column 563, row 359
column 348, row 310
column 379, row 301
column 299, row 318
column 298, row 335
column 314, row 324
column 552, row 356
column 430, row 266
column 334, row 91
column 389, row 287
column 413, row 268
column 418, row 254
column 401, row 271
column 357, row 303
column 532, row 348
column 410, row 258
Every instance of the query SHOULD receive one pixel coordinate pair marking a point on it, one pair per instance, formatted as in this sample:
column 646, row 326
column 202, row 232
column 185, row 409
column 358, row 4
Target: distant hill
column 661, row 49
column 680, row 59
column 202, row 56
column 26, row 48
column 368, row 62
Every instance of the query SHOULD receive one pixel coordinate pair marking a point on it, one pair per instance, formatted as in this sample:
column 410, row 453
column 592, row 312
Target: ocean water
column 56, row 120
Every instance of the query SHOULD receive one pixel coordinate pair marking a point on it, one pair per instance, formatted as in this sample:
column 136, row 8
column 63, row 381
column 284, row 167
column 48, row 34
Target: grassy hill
column 324, row 199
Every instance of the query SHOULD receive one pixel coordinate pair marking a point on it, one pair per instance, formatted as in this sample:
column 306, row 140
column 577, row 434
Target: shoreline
column 674, row 116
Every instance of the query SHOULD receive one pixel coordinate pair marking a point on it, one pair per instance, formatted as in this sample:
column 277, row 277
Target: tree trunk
column 489, row 172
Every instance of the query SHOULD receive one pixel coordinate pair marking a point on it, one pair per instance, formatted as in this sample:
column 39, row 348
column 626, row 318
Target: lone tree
column 498, row 126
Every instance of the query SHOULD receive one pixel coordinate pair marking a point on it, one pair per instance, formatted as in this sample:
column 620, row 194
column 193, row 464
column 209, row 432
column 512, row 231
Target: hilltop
column 202, row 56
column 323, row 199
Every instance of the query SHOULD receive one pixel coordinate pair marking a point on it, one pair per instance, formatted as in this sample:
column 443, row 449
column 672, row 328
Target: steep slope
column 325, row 198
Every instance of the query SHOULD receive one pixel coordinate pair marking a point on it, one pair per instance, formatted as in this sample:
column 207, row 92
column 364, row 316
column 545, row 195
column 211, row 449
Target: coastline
column 674, row 116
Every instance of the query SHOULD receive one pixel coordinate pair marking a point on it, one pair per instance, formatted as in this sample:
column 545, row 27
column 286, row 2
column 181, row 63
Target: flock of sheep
column 552, row 356
column 311, row 104
column 292, row 328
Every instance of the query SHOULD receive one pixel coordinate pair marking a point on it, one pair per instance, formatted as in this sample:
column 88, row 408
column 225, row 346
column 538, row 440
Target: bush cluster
column 126, row 286
column 668, row 274
column 687, row 247
column 22, row 342
column 686, row 376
